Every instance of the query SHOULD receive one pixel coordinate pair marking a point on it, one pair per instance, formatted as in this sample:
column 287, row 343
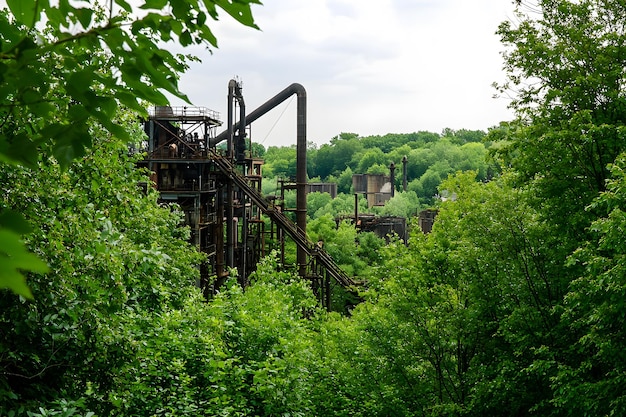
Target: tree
column 257, row 150
column 281, row 161
column 566, row 66
column 333, row 158
column 315, row 201
column 370, row 157
column 344, row 182
column 462, row 315
column 84, row 62
column 590, row 380
column 115, row 256
column 402, row 204
column 463, row 136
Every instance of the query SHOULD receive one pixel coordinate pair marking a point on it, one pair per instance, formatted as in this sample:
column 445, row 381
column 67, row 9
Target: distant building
column 426, row 219
column 322, row 187
column 376, row 187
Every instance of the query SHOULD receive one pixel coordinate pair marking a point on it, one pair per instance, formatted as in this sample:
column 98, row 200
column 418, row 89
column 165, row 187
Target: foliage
column 334, row 158
column 452, row 320
column 113, row 253
column 280, row 162
column 402, row 204
column 590, row 380
column 344, row 181
column 238, row 355
column 341, row 243
column 430, row 158
column 84, row 62
column 119, row 328
column 567, row 67
column 512, row 305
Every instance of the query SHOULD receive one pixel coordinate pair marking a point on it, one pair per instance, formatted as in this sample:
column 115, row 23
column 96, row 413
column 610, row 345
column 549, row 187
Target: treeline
column 431, row 157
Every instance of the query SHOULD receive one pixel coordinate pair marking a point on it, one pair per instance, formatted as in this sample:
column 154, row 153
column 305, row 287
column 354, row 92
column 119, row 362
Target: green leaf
column 10, row 34
column 22, row 150
column 154, row 4
column 78, row 83
column 239, row 10
column 25, row 11
column 14, row 221
column 124, row 5
column 130, row 101
column 85, row 17
column 14, row 257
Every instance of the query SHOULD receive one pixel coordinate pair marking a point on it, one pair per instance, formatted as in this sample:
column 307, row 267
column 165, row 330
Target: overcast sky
column 369, row 66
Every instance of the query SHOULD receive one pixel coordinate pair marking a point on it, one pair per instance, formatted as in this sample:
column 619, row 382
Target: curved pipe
column 229, row 133
column 301, row 175
column 241, row 136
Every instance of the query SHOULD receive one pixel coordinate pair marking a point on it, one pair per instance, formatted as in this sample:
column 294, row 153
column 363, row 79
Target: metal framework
column 219, row 190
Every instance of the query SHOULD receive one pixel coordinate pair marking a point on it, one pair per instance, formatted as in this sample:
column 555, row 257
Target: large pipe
column 229, row 203
column 404, row 173
column 301, row 174
column 229, row 133
column 392, row 179
column 241, row 137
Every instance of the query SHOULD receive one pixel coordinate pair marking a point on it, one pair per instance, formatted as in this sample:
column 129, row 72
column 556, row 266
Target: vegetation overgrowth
column 514, row 304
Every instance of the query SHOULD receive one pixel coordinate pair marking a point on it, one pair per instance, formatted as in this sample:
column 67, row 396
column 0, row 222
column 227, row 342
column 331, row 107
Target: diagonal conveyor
column 298, row 236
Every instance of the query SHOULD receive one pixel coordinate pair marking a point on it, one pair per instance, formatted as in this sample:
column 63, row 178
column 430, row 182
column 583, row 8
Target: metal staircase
column 294, row 232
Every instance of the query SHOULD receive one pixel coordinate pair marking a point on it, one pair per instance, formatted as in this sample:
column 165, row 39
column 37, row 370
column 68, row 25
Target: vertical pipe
column 392, row 178
column 241, row 129
column 229, row 138
column 279, row 231
column 244, row 246
column 404, row 173
column 356, row 210
column 230, row 226
column 301, row 174
column 219, row 237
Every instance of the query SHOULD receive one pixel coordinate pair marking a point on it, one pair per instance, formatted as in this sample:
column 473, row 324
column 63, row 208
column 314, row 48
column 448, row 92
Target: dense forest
column 514, row 304
column 431, row 158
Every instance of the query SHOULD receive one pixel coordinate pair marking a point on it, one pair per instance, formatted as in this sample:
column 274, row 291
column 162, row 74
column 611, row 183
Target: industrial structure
column 219, row 189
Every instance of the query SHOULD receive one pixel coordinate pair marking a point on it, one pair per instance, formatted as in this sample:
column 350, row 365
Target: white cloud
column 369, row 66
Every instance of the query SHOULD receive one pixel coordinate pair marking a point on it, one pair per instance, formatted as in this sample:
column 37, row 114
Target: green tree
column 419, row 160
column 344, row 182
column 333, row 158
column 112, row 251
column 474, row 158
column 370, row 157
column 257, row 150
column 280, row 161
column 463, row 136
column 590, row 380
column 315, row 201
column 453, row 321
column 343, row 204
column 566, row 65
column 109, row 58
column 402, row 204
column 432, row 178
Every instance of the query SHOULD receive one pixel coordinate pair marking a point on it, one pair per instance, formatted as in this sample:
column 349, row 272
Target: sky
column 369, row 67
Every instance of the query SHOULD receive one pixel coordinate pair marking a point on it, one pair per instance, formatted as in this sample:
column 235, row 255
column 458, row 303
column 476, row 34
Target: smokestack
column 404, row 162
column 392, row 175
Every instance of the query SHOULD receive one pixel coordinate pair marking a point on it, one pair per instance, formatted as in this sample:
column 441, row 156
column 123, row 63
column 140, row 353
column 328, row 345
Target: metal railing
column 182, row 111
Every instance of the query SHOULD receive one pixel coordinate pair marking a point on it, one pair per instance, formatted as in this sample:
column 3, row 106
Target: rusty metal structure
column 219, row 189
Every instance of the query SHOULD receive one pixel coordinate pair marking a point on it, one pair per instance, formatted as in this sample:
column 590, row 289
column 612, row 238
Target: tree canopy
column 65, row 65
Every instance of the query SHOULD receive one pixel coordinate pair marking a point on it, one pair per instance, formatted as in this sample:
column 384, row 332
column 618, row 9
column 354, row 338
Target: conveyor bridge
column 291, row 229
